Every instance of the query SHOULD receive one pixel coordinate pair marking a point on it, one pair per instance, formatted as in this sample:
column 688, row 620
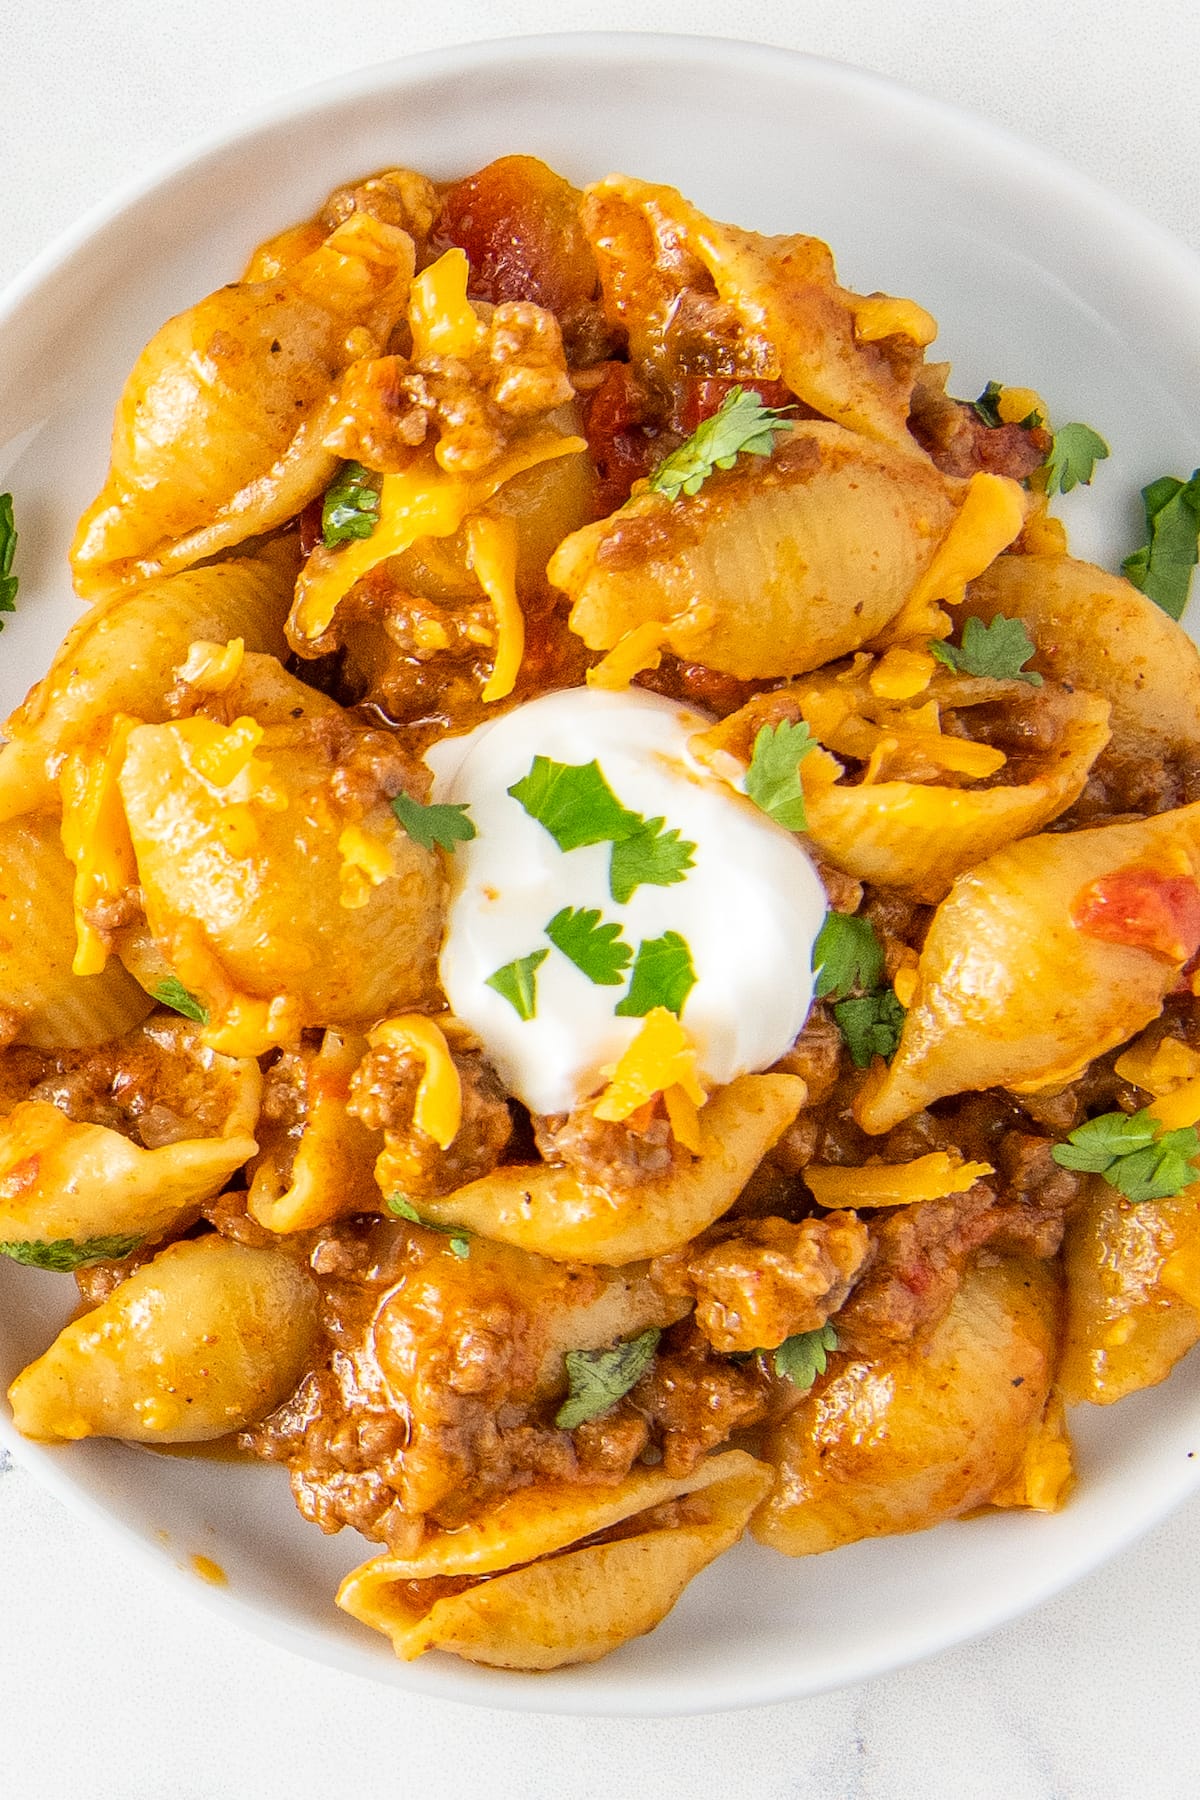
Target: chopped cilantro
column 351, row 508
column 870, row 1025
column 987, row 407
column 516, row 982
column 651, row 856
column 1073, row 457
column 172, row 993
column 847, row 956
column 67, row 1254
column 663, row 975
column 574, row 803
column 999, row 650
column 597, row 950
column 403, row 1208
column 444, row 826
column 599, row 1378
column 1127, row 1150
column 8, row 545
column 1162, row 568
column 741, row 424
column 773, row 778
column 802, row 1357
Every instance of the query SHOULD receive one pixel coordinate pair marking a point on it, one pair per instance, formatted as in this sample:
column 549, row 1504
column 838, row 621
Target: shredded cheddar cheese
column 988, row 520
column 1179, row 1108
column 883, row 315
column 211, row 668
column 1158, row 1067
column 1014, row 404
column 901, row 674
column 661, row 1058
column 367, row 862
column 442, row 319
column 438, row 1107
column 932, row 1177
column 95, row 836
column 634, row 653
column 492, row 554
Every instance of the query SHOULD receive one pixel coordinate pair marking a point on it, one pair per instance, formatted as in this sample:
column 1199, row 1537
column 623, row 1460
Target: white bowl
column 1037, row 278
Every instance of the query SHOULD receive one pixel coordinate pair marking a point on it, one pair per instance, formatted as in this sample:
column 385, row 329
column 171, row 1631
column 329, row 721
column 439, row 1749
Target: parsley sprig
column 1162, row 568
column 516, row 982
column 848, row 957
column 351, row 507
column 803, row 1356
column 773, row 778
column 575, row 804
column 1073, row 457
column 64, row 1255
column 1134, row 1154
column 172, row 993
column 999, row 650
column 403, row 1208
column 427, row 825
column 663, row 975
column 599, row 1378
column 597, row 950
column 741, row 425
column 8, row 545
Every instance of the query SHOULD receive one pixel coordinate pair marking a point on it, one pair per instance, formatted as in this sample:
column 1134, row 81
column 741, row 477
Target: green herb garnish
column 999, row 650
column 1162, row 568
column 802, row 1357
column 599, row 1378
column 773, row 778
column 8, row 545
column 516, row 982
column 403, row 1208
column 1073, row 457
column 172, row 993
column 1134, row 1155
column 67, row 1254
column 351, row 508
column 987, row 407
column 597, row 950
column 870, row 1025
column 444, row 826
column 651, row 856
column 740, row 425
column 847, row 956
column 663, row 975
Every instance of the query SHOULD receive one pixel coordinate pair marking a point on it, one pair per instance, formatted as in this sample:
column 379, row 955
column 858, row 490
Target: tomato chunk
column 1145, row 908
column 519, row 224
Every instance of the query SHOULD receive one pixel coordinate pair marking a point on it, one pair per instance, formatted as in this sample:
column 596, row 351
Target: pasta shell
column 770, row 569
column 925, row 1433
column 570, row 1606
column 551, row 1211
column 1010, row 992
column 118, row 658
column 204, row 1340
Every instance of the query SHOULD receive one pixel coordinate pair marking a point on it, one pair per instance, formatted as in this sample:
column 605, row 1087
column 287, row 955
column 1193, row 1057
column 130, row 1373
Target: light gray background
column 110, row 1687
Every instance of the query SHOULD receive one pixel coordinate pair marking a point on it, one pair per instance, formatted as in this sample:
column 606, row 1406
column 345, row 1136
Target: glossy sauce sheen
column 749, row 908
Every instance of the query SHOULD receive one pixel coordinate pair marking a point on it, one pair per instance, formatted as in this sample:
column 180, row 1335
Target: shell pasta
column 599, row 924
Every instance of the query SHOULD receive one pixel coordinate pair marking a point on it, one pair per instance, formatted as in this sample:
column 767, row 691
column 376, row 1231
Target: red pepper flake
column 1144, row 908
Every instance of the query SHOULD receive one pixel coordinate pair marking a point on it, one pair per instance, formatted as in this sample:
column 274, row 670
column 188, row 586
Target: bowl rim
column 1050, row 180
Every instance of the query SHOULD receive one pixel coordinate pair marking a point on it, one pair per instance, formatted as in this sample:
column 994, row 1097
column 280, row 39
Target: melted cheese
column 662, row 1056
column 437, row 1110
column 932, row 1177
column 883, row 315
column 492, row 553
column 988, row 520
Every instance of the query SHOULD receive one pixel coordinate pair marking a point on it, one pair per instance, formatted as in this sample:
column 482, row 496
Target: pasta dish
column 600, row 925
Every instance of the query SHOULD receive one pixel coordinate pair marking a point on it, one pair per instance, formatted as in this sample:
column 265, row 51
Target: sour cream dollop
column 749, row 908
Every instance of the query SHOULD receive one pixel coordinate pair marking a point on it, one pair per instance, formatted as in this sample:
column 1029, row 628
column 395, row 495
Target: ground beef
column 1123, row 786
column 607, row 1153
column 383, row 1091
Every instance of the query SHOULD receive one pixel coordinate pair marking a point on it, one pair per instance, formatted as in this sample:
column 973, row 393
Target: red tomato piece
column 1145, row 908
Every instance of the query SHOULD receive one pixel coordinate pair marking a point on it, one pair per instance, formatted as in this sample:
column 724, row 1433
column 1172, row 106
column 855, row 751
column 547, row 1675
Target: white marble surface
column 109, row 1688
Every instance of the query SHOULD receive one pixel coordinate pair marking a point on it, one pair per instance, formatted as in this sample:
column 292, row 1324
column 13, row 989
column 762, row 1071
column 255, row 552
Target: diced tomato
column 310, row 526
column 704, row 394
column 1144, row 908
column 622, row 448
column 519, row 224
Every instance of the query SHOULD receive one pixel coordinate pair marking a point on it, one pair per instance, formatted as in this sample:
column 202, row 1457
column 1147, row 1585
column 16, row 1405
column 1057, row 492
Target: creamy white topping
column 749, row 908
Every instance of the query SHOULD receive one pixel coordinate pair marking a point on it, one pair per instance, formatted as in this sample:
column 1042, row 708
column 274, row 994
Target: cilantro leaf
column 1073, row 457
column 847, row 955
column 516, row 982
column 445, row 826
column 172, row 993
column 870, row 1025
column 649, row 857
column 8, row 544
column 599, row 1378
column 351, row 508
column 66, row 1254
column 740, row 424
column 802, row 1357
column 403, row 1208
column 999, row 650
column 1162, row 568
column 1164, row 1169
column 597, row 950
column 987, row 407
column 574, row 803
column 663, row 975
column 773, row 778
column 1094, row 1146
